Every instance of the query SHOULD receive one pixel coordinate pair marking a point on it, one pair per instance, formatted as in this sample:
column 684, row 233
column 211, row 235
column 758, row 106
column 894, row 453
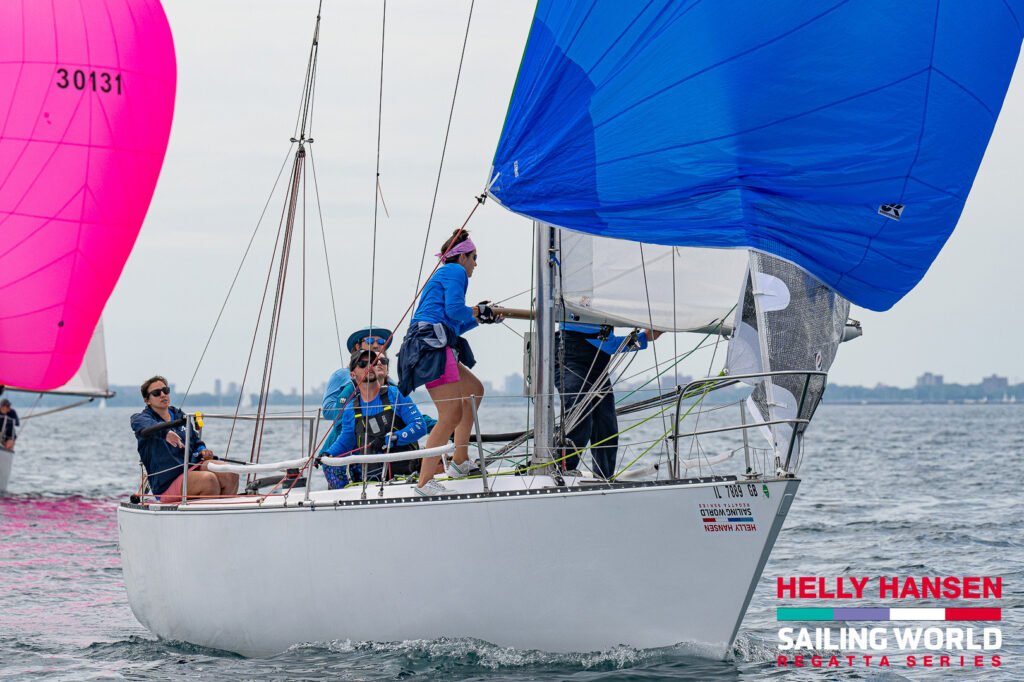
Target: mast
column 292, row 203
column 542, row 355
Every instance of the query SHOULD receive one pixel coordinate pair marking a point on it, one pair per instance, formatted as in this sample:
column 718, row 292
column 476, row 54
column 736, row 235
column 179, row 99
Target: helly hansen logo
column 893, row 211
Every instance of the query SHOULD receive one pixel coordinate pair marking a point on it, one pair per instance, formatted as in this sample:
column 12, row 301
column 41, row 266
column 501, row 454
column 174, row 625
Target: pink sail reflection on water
column 86, row 101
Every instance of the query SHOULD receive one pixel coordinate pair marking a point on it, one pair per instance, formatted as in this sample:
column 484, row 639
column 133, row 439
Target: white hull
column 552, row 569
column 6, row 461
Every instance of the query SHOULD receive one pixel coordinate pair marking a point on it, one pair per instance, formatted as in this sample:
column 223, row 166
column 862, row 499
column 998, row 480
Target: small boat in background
column 89, row 382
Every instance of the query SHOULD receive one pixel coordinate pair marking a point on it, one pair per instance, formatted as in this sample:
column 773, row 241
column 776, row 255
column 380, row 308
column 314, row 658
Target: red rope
column 458, row 233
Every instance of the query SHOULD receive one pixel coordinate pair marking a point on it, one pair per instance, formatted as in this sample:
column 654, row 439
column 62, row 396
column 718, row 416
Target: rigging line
column 677, row 361
column 33, row 414
column 444, row 147
column 479, row 201
column 650, row 319
column 327, row 260
column 562, row 432
column 33, row 409
column 675, row 325
column 302, row 370
column 696, row 348
column 509, row 298
column 380, row 112
column 592, row 445
column 531, row 331
column 238, row 271
column 275, row 318
column 259, row 317
column 383, row 204
column 308, row 81
column 663, row 437
column 585, row 402
column 711, row 364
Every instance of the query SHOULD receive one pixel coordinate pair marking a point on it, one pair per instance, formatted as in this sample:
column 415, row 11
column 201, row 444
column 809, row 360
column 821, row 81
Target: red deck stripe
column 974, row 614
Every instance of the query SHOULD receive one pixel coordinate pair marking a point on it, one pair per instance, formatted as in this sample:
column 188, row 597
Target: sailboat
column 832, row 158
column 89, row 383
column 88, row 89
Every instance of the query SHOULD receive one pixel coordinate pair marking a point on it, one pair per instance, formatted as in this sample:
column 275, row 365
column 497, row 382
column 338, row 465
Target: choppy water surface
column 887, row 490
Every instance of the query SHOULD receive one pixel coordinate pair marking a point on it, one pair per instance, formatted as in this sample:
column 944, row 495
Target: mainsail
column 671, row 288
column 88, row 95
column 843, row 137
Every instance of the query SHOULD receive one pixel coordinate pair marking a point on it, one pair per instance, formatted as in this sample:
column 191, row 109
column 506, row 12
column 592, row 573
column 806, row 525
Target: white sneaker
column 454, row 470
column 431, row 488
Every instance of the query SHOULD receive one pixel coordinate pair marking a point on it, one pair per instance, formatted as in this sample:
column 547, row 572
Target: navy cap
column 357, row 336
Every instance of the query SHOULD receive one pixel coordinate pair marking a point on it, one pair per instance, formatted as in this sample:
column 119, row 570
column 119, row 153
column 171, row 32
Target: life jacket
column 369, row 428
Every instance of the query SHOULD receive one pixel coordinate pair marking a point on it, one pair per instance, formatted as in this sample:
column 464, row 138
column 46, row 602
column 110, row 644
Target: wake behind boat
column 621, row 127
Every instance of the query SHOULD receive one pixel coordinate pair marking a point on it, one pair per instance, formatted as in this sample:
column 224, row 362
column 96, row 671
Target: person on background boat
column 8, row 424
column 588, row 349
column 162, row 452
column 434, row 354
column 378, row 418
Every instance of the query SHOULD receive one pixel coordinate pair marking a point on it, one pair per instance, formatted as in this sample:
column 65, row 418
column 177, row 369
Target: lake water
column 896, row 490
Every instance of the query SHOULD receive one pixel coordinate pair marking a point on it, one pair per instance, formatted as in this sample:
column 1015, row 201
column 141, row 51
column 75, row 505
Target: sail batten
column 843, row 139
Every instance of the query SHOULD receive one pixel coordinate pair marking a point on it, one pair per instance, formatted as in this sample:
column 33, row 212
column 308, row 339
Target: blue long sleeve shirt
column 162, row 460
column 339, row 390
column 414, row 429
column 444, row 300
column 403, row 406
column 609, row 345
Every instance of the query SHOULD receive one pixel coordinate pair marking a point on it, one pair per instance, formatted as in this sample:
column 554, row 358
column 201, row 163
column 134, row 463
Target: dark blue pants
column 583, row 364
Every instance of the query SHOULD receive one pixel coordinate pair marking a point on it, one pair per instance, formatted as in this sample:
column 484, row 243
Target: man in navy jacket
column 163, row 452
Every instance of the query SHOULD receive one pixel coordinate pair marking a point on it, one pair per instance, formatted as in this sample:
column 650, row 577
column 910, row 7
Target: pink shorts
column 451, row 371
column 173, row 493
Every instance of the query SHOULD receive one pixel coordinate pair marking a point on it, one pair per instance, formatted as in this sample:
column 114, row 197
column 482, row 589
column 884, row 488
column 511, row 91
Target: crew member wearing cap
column 340, row 387
column 8, row 422
column 435, row 354
column 375, row 420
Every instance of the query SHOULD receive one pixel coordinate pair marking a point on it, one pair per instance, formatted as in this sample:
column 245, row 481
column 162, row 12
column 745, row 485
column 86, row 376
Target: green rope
column 681, row 358
column 665, row 435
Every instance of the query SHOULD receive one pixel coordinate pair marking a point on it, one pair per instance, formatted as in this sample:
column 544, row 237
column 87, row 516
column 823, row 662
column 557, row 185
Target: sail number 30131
column 735, row 490
column 97, row 81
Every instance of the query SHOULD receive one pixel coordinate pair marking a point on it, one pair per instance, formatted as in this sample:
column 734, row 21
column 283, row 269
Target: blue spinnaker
column 842, row 136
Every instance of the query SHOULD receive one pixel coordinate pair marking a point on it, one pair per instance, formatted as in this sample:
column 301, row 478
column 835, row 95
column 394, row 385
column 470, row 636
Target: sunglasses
column 160, row 391
column 375, row 339
column 363, row 364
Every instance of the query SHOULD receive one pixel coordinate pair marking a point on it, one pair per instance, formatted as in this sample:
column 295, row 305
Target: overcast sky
column 240, row 72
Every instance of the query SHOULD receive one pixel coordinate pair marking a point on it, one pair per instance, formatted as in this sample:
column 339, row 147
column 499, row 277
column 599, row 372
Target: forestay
column 842, row 136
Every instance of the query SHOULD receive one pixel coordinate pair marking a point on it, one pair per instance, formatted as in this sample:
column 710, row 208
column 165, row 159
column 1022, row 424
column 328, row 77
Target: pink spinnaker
column 86, row 102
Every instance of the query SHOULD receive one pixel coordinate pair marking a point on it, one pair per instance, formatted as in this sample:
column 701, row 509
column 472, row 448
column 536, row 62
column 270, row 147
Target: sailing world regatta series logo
column 903, row 631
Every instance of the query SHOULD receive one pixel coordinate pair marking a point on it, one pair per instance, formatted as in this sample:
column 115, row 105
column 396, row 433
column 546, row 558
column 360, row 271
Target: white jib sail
column 618, row 282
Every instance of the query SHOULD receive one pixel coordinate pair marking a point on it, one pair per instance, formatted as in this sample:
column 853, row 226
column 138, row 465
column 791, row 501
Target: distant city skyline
column 512, row 385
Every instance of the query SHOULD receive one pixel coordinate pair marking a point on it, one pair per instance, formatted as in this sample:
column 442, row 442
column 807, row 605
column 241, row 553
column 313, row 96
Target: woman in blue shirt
column 435, row 354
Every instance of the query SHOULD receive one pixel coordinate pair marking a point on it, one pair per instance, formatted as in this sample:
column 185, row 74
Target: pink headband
column 462, row 247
